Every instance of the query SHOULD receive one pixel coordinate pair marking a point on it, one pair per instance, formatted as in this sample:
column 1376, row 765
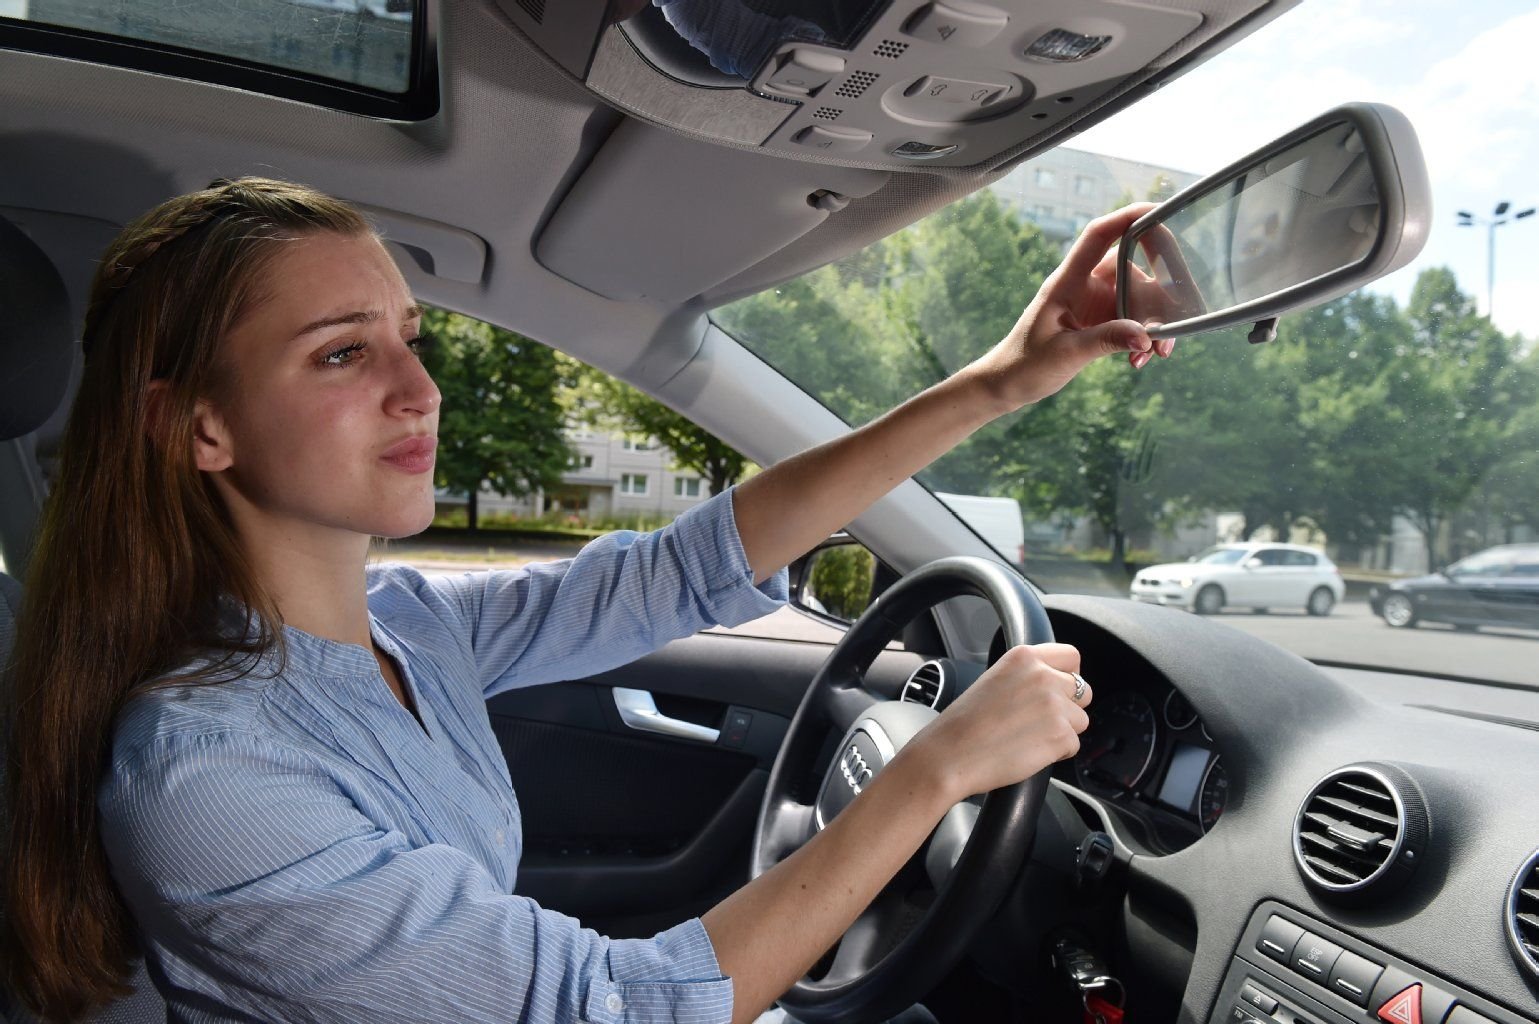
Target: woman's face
column 328, row 420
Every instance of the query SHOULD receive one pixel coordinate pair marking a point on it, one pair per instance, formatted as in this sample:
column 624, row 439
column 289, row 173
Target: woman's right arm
column 1018, row 718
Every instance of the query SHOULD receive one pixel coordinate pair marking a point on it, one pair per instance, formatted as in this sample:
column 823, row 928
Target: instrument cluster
column 1150, row 753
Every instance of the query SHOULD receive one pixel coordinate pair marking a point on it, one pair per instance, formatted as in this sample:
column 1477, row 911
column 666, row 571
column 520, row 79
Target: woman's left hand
column 1071, row 320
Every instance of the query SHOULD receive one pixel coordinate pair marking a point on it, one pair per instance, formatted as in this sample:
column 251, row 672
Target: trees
column 500, row 422
column 602, row 401
column 1458, row 418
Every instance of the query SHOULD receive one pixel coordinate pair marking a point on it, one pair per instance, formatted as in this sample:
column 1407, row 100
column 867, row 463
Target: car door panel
column 1513, row 600
column 631, row 831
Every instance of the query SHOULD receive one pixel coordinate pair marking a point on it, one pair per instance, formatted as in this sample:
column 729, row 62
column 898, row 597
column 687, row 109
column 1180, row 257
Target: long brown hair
column 135, row 558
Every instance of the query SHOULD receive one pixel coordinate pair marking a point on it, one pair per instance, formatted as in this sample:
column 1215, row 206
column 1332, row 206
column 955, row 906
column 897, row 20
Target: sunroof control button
column 837, row 140
column 1278, row 939
column 957, row 23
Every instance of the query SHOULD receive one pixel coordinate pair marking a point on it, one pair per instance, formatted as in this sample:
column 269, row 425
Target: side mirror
column 836, row 581
column 1252, row 563
column 1327, row 208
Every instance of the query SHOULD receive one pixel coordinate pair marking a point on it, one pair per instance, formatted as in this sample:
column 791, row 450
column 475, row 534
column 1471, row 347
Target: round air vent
column 925, row 685
column 1361, row 831
column 1523, row 913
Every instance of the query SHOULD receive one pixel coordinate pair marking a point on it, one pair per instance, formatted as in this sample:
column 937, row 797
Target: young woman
column 267, row 768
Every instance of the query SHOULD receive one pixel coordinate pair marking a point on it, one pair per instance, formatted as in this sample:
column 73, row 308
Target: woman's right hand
column 1014, row 720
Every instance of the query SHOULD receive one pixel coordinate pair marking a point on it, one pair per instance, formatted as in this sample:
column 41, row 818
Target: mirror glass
column 1297, row 215
column 838, row 582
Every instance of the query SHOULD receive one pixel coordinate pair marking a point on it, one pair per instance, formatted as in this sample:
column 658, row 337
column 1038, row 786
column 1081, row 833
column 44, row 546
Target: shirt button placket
column 613, row 1003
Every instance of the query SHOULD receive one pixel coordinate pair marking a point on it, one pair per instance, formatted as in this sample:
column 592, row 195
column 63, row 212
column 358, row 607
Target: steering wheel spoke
column 875, row 931
column 843, row 705
column 947, row 842
column 788, row 825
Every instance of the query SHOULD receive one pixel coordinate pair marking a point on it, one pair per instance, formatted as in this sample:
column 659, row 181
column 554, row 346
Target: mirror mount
column 1263, row 332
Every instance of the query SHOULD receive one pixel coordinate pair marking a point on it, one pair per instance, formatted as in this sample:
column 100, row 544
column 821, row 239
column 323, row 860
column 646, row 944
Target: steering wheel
column 878, row 970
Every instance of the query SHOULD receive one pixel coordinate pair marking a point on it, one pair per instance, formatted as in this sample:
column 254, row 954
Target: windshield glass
column 1393, row 430
column 1221, row 556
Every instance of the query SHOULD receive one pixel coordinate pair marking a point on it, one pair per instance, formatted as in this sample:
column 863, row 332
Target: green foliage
column 601, row 401
column 840, row 579
column 1359, row 411
column 500, row 421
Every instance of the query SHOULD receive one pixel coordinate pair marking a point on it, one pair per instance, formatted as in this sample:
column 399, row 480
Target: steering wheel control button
column 1315, row 957
column 1354, row 977
column 1404, row 1007
column 803, row 72
column 956, row 23
column 1278, row 939
column 834, row 140
column 1259, row 999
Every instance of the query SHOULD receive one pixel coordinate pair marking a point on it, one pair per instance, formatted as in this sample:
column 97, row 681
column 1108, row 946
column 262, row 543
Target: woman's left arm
column 786, row 510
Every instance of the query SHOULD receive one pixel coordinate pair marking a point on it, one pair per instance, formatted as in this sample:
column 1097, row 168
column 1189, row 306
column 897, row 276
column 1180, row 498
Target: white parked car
column 1255, row 576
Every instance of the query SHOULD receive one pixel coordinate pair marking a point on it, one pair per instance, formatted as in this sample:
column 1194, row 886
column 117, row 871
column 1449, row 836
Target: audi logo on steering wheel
column 856, row 772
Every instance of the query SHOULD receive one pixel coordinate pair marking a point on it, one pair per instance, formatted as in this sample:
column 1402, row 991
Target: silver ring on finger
column 1079, row 687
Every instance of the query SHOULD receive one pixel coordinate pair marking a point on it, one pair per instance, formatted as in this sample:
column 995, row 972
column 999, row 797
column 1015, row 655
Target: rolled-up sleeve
column 270, row 896
column 624, row 595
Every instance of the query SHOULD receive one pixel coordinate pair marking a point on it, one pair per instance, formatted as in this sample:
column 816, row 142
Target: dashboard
column 1210, row 762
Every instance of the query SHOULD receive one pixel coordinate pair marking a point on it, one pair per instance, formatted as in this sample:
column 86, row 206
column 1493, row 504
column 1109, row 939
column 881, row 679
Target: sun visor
column 656, row 216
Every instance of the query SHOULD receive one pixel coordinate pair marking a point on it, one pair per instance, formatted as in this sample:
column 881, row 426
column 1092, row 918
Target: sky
column 1465, row 75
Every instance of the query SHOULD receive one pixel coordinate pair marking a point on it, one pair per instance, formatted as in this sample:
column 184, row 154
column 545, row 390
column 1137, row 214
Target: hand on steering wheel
column 999, row 737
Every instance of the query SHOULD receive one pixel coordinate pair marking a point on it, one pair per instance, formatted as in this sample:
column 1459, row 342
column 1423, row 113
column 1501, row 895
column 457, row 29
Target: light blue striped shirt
column 295, row 846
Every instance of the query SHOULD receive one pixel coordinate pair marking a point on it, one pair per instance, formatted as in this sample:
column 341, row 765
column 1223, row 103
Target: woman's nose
column 413, row 390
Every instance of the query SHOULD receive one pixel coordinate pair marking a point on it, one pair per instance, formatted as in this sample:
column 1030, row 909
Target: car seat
column 37, row 352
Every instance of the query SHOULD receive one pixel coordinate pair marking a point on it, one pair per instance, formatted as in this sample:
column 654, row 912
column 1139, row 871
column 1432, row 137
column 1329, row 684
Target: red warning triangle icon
column 1403, row 1008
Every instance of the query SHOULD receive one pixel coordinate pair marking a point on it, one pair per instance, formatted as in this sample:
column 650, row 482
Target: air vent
column 827, row 113
column 1361, row 831
column 890, row 48
column 535, row 9
column 925, row 685
column 1523, row 914
column 856, row 85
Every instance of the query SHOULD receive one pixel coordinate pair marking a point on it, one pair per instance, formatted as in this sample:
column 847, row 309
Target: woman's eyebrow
column 356, row 317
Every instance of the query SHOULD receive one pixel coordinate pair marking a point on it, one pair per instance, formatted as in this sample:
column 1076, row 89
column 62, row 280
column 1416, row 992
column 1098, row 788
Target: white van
column 996, row 520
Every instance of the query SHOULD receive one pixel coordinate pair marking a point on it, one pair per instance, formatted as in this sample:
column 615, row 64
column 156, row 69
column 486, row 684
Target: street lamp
column 1498, row 218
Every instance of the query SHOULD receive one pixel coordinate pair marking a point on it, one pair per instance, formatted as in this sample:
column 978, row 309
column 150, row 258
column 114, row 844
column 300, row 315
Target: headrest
column 37, row 344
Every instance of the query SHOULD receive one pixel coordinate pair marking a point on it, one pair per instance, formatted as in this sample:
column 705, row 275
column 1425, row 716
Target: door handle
column 639, row 711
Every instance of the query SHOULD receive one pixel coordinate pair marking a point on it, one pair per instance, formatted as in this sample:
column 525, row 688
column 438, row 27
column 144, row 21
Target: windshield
column 1221, row 556
column 1393, row 430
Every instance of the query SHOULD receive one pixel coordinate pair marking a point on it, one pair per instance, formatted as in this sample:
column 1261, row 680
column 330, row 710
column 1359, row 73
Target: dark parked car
column 1495, row 587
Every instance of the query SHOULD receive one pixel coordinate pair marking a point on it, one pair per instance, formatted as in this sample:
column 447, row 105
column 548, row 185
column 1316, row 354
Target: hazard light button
column 1404, row 1007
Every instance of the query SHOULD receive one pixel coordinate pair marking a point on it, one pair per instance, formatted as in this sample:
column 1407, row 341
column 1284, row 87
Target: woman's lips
column 413, row 455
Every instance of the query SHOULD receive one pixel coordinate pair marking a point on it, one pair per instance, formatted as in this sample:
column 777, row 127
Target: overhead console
column 873, row 82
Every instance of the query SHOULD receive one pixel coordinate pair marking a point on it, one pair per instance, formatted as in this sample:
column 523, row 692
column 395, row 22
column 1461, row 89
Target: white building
column 1063, row 190
column 611, row 476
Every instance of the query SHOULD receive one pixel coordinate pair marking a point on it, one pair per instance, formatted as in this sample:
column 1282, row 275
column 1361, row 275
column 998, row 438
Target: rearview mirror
column 1325, row 209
